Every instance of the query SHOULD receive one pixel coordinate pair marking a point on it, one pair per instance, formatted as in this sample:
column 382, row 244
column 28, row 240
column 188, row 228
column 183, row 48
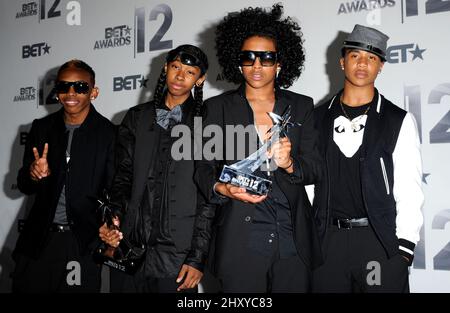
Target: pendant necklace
column 353, row 122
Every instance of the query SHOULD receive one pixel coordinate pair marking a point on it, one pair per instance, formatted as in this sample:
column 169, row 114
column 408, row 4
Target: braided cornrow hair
column 158, row 94
column 202, row 60
column 198, row 98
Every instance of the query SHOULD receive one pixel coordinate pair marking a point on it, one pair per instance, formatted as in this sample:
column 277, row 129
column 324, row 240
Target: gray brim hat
column 367, row 39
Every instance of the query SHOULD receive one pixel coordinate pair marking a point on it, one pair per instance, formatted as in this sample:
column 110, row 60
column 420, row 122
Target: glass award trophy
column 240, row 174
column 126, row 257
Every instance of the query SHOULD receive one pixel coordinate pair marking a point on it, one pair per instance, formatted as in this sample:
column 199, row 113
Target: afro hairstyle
column 236, row 27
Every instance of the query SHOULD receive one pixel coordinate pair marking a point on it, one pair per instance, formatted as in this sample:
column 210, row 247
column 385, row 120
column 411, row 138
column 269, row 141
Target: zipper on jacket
column 383, row 169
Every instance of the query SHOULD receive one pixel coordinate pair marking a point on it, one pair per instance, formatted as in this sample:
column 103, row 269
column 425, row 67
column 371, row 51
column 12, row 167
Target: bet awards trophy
column 126, row 257
column 240, row 174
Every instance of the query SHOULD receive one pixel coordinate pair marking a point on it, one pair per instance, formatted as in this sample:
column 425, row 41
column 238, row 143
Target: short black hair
column 344, row 50
column 80, row 65
column 236, row 27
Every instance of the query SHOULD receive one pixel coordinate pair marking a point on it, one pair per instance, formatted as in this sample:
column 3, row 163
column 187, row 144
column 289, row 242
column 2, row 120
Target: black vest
column 376, row 166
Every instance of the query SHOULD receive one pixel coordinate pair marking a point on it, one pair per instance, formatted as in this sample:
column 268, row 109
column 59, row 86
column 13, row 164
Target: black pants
column 356, row 262
column 125, row 283
column 255, row 273
column 59, row 268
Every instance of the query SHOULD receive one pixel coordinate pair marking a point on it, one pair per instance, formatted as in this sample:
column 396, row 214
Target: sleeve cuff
column 196, row 259
column 296, row 177
column 406, row 248
column 217, row 198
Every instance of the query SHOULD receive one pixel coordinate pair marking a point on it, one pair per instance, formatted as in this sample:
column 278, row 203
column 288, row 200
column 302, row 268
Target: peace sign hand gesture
column 39, row 168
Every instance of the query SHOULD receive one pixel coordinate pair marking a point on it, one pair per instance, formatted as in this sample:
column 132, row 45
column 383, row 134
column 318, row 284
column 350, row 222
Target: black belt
column 58, row 228
column 347, row 223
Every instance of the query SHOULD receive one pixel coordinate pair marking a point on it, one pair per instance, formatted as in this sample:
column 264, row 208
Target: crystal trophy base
column 253, row 184
column 122, row 258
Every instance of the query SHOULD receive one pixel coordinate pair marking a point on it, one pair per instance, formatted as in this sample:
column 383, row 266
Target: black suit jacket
column 88, row 173
column 233, row 218
column 190, row 218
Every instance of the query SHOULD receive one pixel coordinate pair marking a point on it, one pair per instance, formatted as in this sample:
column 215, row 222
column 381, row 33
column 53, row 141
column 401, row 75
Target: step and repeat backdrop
column 125, row 42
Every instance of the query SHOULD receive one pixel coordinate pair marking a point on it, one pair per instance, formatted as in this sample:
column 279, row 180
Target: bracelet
column 285, row 168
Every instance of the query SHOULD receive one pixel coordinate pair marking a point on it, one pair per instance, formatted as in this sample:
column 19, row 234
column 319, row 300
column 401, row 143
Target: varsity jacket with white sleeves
column 390, row 172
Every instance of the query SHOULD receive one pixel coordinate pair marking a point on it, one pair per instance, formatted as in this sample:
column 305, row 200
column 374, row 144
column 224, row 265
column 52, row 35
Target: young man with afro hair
column 263, row 243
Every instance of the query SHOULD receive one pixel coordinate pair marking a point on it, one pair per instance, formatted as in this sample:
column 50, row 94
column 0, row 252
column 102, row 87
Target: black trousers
column 255, row 273
column 59, row 268
column 124, row 283
column 356, row 262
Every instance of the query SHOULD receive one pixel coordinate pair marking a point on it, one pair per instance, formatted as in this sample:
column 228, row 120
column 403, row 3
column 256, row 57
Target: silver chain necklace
column 354, row 122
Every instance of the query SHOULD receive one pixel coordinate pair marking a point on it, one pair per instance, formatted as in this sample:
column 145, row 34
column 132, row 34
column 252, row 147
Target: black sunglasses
column 266, row 58
column 186, row 59
column 80, row 86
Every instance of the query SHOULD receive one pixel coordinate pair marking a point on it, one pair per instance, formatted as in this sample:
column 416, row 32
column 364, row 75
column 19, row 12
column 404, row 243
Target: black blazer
column 190, row 218
column 233, row 218
column 89, row 171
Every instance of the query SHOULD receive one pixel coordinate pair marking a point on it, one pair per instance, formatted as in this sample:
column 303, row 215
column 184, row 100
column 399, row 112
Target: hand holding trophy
column 115, row 250
column 240, row 174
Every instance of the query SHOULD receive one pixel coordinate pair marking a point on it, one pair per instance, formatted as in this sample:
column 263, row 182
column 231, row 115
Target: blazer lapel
column 280, row 103
column 57, row 141
column 188, row 109
column 146, row 144
column 240, row 110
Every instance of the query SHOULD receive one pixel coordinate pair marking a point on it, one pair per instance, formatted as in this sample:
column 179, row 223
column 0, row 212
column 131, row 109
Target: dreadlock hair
column 236, row 27
column 75, row 63
column 201, row 62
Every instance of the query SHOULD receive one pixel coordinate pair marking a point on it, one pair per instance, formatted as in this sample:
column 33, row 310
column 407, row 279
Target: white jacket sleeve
column 407, row 189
